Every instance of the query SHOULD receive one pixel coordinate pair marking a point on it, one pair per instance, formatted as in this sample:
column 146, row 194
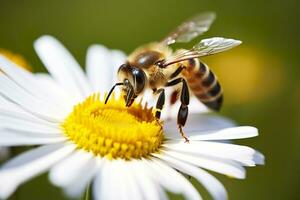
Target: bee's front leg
column 160, row 102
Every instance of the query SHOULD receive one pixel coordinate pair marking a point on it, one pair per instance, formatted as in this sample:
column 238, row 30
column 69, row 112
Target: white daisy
column 124, row 153
column 21, row 62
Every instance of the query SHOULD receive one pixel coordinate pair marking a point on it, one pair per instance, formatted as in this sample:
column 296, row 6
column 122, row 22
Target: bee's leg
column 177, row 71
column 175, row 93
column 185, row 100
column 160, row 102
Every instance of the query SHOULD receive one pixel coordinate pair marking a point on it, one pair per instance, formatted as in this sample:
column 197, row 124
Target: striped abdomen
column 203, row 84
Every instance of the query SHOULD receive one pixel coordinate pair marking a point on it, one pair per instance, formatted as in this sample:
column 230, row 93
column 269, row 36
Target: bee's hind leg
column 183, row 110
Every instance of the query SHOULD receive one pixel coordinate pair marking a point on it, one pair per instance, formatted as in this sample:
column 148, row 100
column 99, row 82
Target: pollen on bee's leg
column 113, row 130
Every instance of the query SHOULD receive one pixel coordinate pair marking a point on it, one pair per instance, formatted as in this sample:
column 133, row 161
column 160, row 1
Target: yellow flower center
column 16, row 58
column 112, row 130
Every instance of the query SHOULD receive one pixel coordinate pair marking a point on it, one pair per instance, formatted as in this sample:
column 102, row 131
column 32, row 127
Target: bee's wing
column 191, row 28
column 205, row 47
column 214, row 45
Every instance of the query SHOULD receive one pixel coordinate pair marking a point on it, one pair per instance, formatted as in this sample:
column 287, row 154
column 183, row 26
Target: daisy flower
column 21, row 62
column 125, row 153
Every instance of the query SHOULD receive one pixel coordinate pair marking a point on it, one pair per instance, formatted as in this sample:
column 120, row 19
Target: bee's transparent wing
column 205, row 47
column 214, row 45
column 191, row 28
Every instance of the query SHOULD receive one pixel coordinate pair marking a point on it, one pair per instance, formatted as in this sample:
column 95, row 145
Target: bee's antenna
column 111, row 90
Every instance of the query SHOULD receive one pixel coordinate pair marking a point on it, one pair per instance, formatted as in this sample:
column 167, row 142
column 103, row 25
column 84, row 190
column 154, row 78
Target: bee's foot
column 186, row 140
column 159, row 121
column 183, row 135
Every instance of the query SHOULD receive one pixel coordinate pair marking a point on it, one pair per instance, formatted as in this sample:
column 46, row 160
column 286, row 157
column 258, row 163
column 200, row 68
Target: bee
column 156, row 66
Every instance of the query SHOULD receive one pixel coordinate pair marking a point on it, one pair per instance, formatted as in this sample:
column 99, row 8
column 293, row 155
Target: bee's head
column 133, row 82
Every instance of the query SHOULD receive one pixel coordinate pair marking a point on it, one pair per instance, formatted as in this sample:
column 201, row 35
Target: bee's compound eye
column 139, row 78
column 124, row 68
column 124, row 72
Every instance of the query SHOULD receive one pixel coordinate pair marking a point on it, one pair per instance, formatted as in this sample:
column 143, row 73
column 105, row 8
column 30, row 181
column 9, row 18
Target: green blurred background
column 260, row 78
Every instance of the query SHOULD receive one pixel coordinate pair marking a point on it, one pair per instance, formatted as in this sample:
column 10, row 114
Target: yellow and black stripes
column 203, row 83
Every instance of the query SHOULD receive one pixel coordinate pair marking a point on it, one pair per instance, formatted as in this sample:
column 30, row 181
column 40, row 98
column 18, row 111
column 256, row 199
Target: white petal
column 144, row 174
column 97, row 186
column 16, row 94
column 27, row 81
column 109, row 179
column 102, row 65
column 103, row 185
column 215, row 188
column 126, row 186
column 118, row 58
column 238, row 153
column 58, row 93
column 196, row 106
column 99, row 68
column 162, row 194
column 155, row 173
column 97, row 192
column 222, row 166
column 29, row 165
column 136, row 192
column 11, row 110
column 6, row 103
column 78, row 187
column 117, row 176
column 259, row 158
column 173, row 181
column 62, row 66
column 27, row 125
column 13, row 138
column 148, row 98
column 66, row 172
column 196, row 124
column 227, row 134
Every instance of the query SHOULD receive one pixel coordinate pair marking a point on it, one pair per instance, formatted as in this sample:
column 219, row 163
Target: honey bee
column 156, row 66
